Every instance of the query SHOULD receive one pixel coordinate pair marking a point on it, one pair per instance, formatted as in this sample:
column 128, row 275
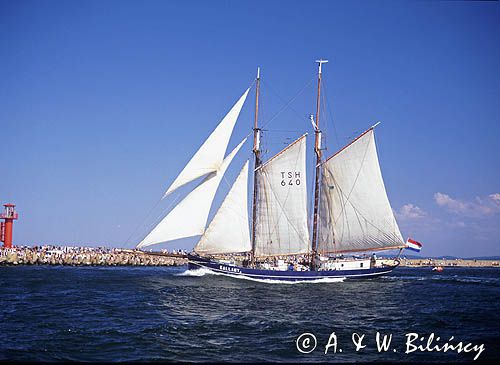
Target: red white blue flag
column 413, row 245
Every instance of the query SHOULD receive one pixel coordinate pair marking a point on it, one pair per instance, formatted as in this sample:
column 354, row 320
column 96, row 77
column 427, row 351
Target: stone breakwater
column 88, row 257
column 449, row 263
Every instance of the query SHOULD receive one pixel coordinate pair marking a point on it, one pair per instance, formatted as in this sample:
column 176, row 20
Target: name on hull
column 228, row 268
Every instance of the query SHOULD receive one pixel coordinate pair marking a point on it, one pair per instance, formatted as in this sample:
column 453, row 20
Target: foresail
column 190, row 216
column 210, row 156
column 228, row 231
column 281, row 221
column 355, row 213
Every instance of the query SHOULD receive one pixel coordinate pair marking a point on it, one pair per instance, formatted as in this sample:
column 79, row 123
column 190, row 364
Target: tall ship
column 351, row 215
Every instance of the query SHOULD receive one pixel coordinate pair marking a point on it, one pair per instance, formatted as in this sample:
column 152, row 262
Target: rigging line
column 288, row 103
column 248, row 135
column 330, row 114
column 250, row 87
column 162, row 214
column 143, row 221
column 285, row 130
column 286, row 142
column 252, row 84
column 284, row 101
column 227, row 182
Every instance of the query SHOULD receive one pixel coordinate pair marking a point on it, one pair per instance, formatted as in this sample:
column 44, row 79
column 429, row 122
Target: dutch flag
column 413, row 245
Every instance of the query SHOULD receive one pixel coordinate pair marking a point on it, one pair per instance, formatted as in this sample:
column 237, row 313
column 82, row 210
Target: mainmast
column 257, row 162
column 317, row 148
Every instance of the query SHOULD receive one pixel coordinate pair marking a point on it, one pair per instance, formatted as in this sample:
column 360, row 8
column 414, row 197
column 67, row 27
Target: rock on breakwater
column 86, row 256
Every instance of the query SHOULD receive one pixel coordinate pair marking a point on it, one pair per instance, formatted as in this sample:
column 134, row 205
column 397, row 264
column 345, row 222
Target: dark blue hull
column 239, row 271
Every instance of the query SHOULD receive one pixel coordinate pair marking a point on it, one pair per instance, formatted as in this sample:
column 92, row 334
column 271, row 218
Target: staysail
column 228, row 231
column 190, row 216
column 281, row 219
column 355, row 213
column 210, row 156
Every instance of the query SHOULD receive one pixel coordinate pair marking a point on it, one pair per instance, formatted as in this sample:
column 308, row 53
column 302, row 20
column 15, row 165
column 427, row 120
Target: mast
column 317, row 149
column 257, row 162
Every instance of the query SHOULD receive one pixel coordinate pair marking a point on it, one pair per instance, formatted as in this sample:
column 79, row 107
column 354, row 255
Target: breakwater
column 87, row 256
column 449, row 263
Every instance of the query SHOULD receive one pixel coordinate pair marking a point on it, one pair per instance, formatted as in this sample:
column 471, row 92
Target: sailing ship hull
column 196, row 263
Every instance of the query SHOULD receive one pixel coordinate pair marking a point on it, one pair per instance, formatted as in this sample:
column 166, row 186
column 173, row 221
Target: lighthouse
column 9, row 215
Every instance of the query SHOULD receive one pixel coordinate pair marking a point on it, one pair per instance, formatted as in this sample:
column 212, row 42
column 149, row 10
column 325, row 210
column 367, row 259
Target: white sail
column 190, row 216
column 228, row 232
column 281, row 222
column 211, row 154
column 355, row 213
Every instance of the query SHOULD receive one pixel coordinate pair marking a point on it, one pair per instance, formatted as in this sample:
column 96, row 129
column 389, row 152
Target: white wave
column 405, row 277
column 272, row 281
column 467, row 279
column 197, row 272
column 441, row 277
column 203, row 271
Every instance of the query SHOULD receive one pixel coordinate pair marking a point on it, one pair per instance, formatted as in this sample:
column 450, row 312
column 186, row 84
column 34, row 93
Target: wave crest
column 203, row 271
column 197, row 272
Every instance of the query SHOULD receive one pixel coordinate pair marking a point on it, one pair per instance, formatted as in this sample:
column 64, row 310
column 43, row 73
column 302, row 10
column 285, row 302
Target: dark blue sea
column 50, row 313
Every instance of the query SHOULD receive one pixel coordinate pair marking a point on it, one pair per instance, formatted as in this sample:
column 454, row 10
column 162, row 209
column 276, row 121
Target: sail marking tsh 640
column 281, row 222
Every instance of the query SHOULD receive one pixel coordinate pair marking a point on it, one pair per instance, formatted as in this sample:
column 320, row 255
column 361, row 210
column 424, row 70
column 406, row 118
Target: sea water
column 171, row 314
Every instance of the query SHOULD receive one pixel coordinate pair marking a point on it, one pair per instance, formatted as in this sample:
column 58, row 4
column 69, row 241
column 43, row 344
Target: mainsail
column 228, row 232
column 281, row 221
column 190, row 216
column 210, row 156
column 355, row 213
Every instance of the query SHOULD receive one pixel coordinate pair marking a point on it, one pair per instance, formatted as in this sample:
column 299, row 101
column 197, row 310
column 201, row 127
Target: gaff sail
column 281, row 220
column 355, row 213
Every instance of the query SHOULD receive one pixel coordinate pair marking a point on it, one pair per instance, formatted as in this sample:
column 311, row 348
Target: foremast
column 317, row 149
column 257, row 162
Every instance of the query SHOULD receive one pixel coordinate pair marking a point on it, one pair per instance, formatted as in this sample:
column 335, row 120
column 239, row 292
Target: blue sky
column 103, row 102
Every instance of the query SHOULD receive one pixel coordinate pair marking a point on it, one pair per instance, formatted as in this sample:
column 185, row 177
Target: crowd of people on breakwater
column 67, row 255
column 449, row 262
